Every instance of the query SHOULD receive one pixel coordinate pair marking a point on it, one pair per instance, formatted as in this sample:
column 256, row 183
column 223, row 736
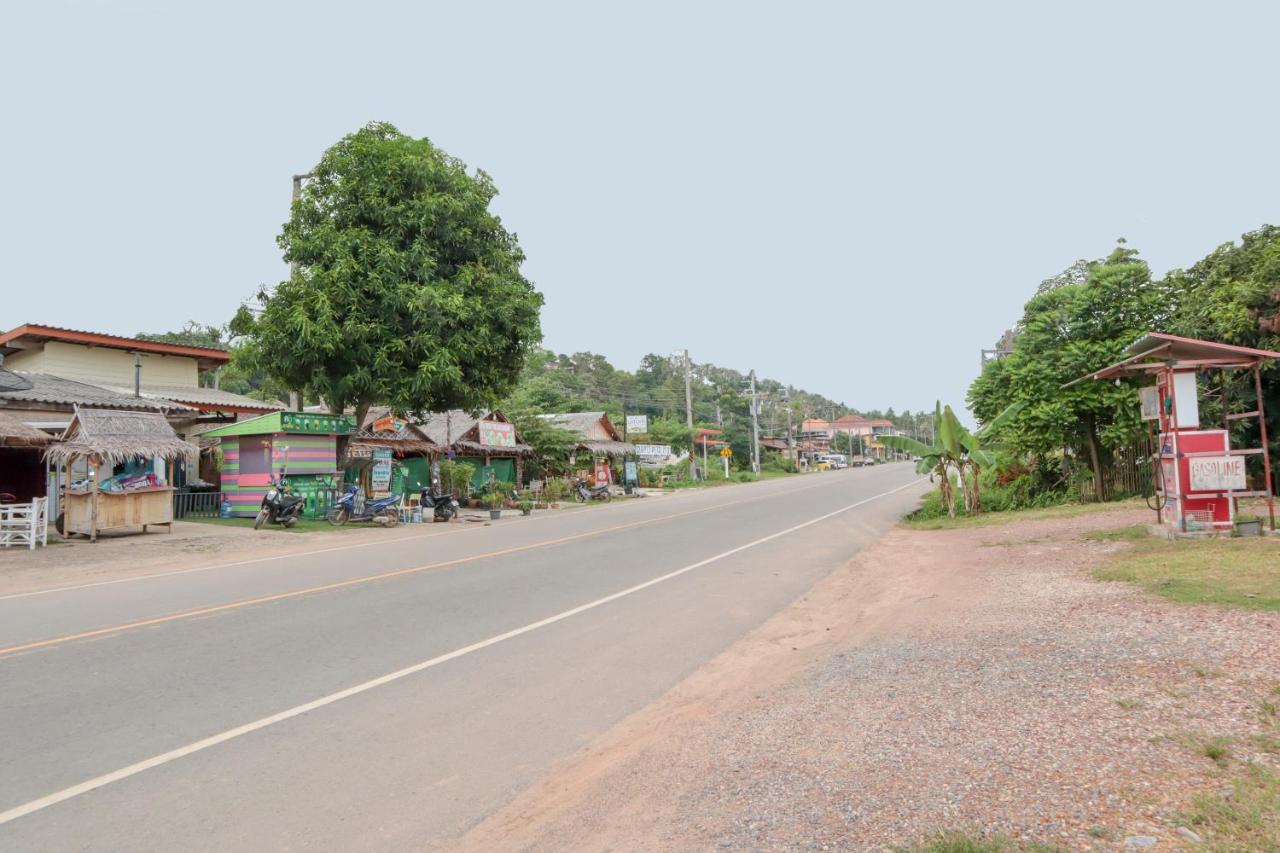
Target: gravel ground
column 973, row 680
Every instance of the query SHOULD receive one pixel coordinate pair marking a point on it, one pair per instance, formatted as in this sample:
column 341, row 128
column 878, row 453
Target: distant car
column 837, row 461
column 820, row 464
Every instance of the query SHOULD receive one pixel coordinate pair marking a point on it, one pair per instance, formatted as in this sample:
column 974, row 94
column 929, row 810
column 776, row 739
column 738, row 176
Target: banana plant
column 955, row 449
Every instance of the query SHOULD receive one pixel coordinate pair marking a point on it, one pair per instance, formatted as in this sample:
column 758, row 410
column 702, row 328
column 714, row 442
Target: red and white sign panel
column 497, row 434
column 1217, row 474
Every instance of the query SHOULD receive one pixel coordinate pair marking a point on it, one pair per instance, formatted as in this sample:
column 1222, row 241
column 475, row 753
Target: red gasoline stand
column 1198, row 474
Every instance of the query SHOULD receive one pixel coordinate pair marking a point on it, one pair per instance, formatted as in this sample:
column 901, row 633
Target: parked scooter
column 443, row 507
column 352, row 506
column 583, row 493
column 280, row 505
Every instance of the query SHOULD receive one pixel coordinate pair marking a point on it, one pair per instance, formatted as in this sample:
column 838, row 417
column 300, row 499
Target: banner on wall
column 497, row 434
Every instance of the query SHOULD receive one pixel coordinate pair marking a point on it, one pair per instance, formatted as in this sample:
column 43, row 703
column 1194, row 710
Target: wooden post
column 94, row 483
column 1266, row 450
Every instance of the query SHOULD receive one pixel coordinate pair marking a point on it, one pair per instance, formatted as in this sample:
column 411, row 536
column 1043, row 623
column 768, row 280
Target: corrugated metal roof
column 203, row 397
column 46, row 388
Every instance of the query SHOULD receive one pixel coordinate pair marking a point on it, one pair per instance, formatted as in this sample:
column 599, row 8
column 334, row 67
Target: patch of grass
column 1232, row 572
column 1202, row 671
column 1269, row 709
column 1249, row 819
column 1099, row 832
column 1267, row 743
column 958, row 842
column 1216, row 749
column 1124, row 534
column 1129, row 703
column 989, row 518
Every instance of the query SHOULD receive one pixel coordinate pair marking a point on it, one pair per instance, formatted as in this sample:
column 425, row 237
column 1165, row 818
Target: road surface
column 390, row 696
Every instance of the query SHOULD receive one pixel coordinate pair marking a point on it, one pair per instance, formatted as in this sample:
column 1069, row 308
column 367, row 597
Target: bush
column 455, row 477
column 744, row 477
column 1003, row 489
column 555, row 490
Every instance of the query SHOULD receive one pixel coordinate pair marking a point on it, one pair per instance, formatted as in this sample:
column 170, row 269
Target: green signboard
column 316, row 422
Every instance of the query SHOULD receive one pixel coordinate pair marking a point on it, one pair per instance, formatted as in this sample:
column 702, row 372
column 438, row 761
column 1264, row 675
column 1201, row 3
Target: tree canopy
column 407, row 288
column 1084, row 318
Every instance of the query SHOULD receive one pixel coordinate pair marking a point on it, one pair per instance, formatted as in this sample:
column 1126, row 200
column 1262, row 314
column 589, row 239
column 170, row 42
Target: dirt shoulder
column 975, row 680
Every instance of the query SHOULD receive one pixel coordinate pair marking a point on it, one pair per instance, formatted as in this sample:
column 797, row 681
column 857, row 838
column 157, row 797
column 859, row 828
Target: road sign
column 726, row 452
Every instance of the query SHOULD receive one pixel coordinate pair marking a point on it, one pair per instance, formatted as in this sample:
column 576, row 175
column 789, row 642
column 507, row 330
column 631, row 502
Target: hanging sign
column 639, row 424
column 1149, row 399
column 390, row 424
column 1217, row 474
column 380, row 473
column 497, row 434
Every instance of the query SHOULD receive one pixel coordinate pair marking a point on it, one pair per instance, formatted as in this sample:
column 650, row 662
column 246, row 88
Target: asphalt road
column 390, row 696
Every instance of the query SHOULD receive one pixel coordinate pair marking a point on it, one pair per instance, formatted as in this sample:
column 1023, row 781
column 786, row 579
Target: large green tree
column 407, row 288
column 1068, row 329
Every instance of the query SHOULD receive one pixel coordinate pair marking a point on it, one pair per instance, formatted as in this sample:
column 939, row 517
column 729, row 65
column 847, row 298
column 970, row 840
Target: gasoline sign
column 1217, row 474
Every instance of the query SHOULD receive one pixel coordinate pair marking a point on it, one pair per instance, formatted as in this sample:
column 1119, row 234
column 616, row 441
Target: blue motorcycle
column 352, row 506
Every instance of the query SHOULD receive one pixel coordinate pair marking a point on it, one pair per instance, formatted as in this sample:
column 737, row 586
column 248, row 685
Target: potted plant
column 494, row 500
column 1248, row 525
column 526, row 507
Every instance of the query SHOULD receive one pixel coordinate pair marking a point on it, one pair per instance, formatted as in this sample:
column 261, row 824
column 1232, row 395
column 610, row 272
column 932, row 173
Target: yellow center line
column 280, row 596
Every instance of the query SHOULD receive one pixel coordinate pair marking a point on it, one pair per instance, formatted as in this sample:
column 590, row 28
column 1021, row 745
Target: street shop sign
column 1217, row 474
column 315, row 423
column 497, row 434
column 639, row 424
column 654, row 451
column 380, row 475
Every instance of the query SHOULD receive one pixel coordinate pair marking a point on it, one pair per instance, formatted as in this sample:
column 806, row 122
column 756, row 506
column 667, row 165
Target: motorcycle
column 443, row 507
column 583, row 493
column 279, row 505
column 352, row 506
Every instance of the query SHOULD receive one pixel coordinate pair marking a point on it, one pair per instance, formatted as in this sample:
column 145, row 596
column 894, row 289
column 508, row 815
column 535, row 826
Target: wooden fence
column 1129, row 475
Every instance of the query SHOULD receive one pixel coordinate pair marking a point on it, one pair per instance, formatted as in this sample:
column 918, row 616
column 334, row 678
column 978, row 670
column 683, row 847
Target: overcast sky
column 851, row 197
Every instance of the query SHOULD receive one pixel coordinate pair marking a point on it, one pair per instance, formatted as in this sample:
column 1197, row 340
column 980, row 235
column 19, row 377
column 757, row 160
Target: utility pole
column 688, row 391
column 755, row 427
column 688, row 410
column 791, row 442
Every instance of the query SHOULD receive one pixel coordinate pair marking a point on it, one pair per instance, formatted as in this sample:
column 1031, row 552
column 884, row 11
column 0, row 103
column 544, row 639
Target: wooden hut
column 99, row 443
column 491, row 443
column 598, row 437
column 402, row 448
column 22, row 470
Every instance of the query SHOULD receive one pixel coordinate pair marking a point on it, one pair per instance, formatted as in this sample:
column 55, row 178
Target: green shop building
column 300, row 445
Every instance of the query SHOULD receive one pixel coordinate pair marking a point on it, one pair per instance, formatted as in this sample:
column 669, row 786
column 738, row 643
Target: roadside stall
column 302, row 446
column 119, row 469
column 22, row 466
column 491, row 443
column 389, row 455
column 598, row 438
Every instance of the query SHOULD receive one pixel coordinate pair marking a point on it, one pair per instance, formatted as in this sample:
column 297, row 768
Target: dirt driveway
column 972, row 680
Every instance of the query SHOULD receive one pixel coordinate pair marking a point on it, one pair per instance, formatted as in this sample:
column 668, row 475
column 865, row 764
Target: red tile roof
column 76, row 336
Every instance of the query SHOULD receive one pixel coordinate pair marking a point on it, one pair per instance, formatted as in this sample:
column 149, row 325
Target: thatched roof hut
column 596, row 433
column 460, row 432
column 15, row 433
column 381, row 428
column 115, row 436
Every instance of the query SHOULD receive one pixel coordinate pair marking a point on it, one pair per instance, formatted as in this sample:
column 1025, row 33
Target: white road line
column 294, row 555
column 298, row 710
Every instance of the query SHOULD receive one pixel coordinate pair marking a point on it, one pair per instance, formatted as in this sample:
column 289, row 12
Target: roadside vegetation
column 1241, row 572
column 956, row 842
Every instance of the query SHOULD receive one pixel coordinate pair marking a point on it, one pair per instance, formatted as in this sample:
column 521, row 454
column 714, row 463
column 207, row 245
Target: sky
column 853, row 198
